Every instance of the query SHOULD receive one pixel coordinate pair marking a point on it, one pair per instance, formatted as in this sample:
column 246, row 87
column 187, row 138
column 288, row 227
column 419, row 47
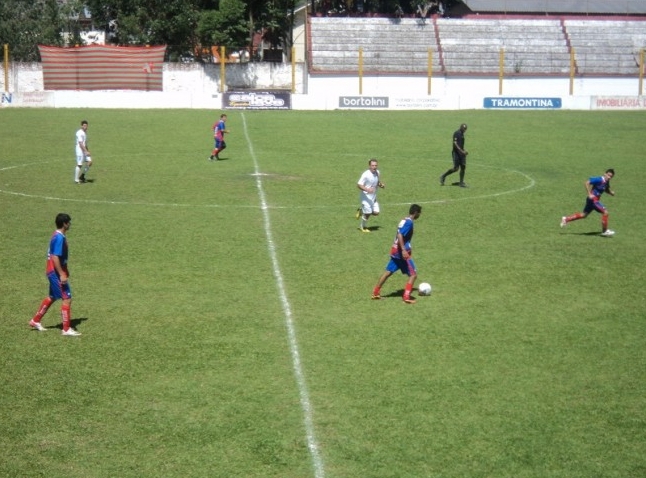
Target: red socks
column 44, row 307
column 65, row 314
column 408, row 289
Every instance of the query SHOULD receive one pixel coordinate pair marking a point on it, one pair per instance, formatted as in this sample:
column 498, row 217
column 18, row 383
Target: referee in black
column 459, row 157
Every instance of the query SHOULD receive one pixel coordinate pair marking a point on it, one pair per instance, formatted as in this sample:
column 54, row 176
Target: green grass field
column 225, row 307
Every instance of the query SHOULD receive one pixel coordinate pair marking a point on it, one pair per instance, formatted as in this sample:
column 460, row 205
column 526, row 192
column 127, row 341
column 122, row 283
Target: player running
column 368, row 184
column 595, row 187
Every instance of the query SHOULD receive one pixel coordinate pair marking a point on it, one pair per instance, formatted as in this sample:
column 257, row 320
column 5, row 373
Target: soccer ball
column 424, row 288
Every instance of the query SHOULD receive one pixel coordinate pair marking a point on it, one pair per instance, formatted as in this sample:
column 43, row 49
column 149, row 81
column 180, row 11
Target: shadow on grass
column 74, row 323
column 398, row 293
column 583, row 234
column 373, row 228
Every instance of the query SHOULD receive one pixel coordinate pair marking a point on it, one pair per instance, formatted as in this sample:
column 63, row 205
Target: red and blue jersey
column 57, row 247
column 405, row 228
column 218, row 130
column 599, row 185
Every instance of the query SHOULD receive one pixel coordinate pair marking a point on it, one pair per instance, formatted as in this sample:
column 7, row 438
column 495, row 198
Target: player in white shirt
column 83, row 159
column 368, row 184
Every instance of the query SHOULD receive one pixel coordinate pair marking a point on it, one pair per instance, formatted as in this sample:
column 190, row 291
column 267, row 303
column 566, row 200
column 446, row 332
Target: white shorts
column 369, row 207
column 82, row 159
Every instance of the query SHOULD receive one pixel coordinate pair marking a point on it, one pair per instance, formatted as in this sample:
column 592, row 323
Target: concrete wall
column 198, row 86
column 180, row 77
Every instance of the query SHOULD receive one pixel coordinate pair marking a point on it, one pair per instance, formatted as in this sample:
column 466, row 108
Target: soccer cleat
column 563, row 221
column 70, row 332
column 463, row 185
column 37, row 326
column 82, row 178
column 608, row 233
column 376, row 296
column 363, row 229
column 441, row 180
column 210, row 158
column 358, row 214
column 217, row 157
column 409, row 300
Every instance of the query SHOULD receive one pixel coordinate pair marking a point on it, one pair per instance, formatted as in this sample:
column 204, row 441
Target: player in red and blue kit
column 595, row 187
column 219, row 129
column 57, row 275
column 400, row 256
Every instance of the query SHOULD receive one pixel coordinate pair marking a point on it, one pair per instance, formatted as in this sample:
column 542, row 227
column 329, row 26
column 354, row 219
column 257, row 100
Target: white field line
column 530, row 184
column 312, row 444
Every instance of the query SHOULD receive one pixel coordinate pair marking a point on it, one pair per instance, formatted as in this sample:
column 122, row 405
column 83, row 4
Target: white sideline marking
column 312, row 444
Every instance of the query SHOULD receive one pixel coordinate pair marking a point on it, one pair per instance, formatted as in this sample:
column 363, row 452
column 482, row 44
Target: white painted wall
column 198, row 86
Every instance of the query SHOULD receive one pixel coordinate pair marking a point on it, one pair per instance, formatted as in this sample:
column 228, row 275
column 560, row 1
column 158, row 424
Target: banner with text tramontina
column 522, row 103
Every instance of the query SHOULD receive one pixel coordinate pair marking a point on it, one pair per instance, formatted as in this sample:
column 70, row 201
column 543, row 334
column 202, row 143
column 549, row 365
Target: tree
column 182, row 25
column 70, row 14
column 154, row 22
column 225, row 26
column 25, row 24
column 236, row 23
column 277, row 22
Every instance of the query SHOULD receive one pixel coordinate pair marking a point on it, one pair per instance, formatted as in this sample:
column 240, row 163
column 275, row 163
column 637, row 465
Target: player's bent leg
column 376, row 292
column 407, row 291
column 604, row 225
column 573, row 217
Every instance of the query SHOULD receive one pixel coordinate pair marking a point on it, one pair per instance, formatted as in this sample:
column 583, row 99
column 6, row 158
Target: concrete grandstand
column 485, row 37
column 550, row 7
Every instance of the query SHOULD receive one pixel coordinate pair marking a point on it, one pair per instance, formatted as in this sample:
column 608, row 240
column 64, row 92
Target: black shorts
column 459, row 160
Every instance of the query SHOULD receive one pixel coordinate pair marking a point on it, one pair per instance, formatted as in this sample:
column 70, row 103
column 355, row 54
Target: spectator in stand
column 428, row 7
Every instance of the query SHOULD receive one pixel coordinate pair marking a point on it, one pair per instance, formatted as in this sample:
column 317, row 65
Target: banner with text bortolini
column 103, row 67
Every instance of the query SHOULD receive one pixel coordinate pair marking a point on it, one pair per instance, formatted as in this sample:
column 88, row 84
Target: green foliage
column 25, row 24
column 182, row 25
column 226, row 26
column 154, row 22
column 277, row 22
column 69, row 25
column 529, row 359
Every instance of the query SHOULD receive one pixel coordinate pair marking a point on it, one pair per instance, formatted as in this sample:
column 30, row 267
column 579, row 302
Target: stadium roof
column 591, row 7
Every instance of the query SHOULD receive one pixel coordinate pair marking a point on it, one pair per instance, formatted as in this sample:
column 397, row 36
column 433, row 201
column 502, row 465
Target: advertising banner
column 363, row 102
column 37, row 99
column 618, row 102
column 523, row 103
column 257, row 100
